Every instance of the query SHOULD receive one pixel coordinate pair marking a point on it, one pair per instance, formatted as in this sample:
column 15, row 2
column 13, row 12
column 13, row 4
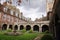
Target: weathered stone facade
column 55, row 21
column 49, row 7
column 12, row 18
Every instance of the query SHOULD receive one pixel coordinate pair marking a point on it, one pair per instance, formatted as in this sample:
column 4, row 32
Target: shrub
column 47, row 37
column 24, row 30
column 30, row 31
column 11, row 33
column 18, row 30
column 46, row 31
column 9, row 30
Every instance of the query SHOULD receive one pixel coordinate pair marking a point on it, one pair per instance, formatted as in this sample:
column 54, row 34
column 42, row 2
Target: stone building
column 41, row 19
column 55, row 21
column 12, row 18
column 9, row 16
column 49, row 4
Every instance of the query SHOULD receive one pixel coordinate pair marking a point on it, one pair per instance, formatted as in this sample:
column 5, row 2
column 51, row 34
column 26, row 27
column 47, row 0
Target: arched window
column 15, row 27
column 21, row 27
column 10, row 26
column 4, row 27
column 28, row 27
column 35, row 28
column 45, row 28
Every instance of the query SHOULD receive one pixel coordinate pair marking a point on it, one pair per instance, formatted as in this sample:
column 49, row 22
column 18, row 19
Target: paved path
column 38, row 37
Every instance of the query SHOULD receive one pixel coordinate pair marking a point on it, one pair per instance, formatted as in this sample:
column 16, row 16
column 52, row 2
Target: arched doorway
column 44, row 28
column 4, row 27
column 28, row 27
column 15, row 27
column 10, row 27
column 35, row 28
column 21, row 27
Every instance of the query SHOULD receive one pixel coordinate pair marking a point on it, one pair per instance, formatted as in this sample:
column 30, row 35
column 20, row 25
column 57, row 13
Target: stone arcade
column 12, row 18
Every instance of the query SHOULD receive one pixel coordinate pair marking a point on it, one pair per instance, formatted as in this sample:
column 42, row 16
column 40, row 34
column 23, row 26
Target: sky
column 32, row 8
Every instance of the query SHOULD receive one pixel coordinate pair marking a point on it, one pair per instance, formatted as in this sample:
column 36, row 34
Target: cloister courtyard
column 29, row 20
column 23, row 35
column 28, row 27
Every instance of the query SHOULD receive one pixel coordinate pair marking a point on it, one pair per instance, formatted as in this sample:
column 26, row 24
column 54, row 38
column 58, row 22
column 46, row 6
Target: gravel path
column 38, row 37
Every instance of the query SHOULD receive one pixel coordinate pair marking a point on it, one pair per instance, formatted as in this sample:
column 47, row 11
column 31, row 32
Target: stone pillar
column 7, row 27
column 13, row 27
column 32, row 28
column 18, row 27
column 24, row 26
column 40, row 29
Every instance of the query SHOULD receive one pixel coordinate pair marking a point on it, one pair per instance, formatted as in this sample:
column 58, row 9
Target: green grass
column 25, row 36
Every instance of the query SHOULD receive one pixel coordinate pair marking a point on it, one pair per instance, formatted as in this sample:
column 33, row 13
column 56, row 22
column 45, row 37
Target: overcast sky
column 32, row 8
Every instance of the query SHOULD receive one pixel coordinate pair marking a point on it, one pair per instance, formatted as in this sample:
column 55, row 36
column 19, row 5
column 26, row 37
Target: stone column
column 18, row 27
column 13, row 27
column 7, row 27
column 32, row 28
column 40, row 29
column 24, row 26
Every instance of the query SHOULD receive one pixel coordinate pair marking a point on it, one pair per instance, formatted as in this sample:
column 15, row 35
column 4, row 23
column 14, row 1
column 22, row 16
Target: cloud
column 33, row 3
column 31, row 13
column 33, row 8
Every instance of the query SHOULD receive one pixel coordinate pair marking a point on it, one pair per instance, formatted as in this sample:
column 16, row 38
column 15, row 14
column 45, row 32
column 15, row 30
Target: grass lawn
column 25, row 36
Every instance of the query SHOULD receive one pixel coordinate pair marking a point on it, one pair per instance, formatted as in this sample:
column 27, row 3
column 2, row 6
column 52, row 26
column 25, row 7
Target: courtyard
column 28, row 20
column 24, row 36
